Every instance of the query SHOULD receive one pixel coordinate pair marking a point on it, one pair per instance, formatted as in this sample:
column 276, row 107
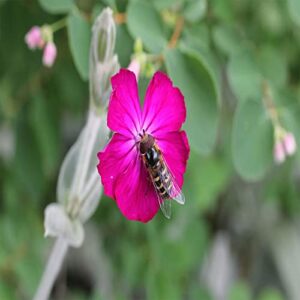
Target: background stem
column 52, row 269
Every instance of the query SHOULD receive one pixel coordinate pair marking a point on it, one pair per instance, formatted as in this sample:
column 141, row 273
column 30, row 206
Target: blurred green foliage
column 222, row 53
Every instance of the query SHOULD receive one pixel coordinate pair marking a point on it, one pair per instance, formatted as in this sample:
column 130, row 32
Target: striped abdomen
column 162, row 180
column 159, row 172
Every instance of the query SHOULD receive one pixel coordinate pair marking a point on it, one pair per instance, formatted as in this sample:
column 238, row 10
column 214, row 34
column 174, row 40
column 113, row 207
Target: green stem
column 59, row 24
column 272, row 111
column 269, row 104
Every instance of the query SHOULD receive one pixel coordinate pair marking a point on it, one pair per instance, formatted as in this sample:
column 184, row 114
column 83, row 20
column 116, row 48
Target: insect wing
column 165, row 205
column 172, row 187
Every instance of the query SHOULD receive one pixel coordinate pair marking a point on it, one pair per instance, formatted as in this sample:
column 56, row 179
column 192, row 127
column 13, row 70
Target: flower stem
column 59, row 24
column 269, row 104
column 52, row 269
column 120, row 18
column 177, row 32
column 155, row 57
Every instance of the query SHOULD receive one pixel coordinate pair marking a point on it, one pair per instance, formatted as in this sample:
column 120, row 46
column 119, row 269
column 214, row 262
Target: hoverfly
column 164, row 182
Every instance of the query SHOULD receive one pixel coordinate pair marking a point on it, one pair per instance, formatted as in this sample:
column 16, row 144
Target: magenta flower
column 34, row 38
column 49, row 54
column 122, row 167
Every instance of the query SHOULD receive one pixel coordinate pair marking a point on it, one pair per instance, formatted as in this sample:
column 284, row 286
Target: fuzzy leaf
column 79, row 41
column 189, row 72
column 144, row 22
column 56, row 6
column 244, row 76
column 252, row 140
column 294, row 10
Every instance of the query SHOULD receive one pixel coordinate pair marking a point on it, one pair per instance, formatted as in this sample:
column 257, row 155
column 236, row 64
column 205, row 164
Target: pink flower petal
column 175, row 149
column 33, row 37
column 124, row 111
column 135, row 194
column 164, row 108
column 49, row 54
column 135, row 67
column 114, row 160
column 289, row 143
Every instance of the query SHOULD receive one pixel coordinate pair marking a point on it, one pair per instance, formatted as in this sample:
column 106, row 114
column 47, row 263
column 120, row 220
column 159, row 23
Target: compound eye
column 154, row 154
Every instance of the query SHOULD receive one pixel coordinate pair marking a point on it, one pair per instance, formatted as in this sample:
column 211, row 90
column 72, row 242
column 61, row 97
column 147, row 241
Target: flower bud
column 58, row 224
column 103, row 61
column 289, row 143
column 78, row 188
column 279, row 153
column 49, row 54
column 138, row 46
column 34, row 38
column 135, row 67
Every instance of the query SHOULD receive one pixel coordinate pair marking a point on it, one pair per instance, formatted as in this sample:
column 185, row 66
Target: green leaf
column 124, row 45
column 203, row 185
column 227, row 39
column 165, row 4
column 198, row 292
column 270, row 294
column 2, row 2
column 56, row 6
column 29, row 271
column 195, row 10
column 294, row 10
column 273, row 23
column 144, row 22
column 273, row 65
column 223, row 10
column 6, row 289
column 252, row 140
column 192, row 76
column 79, row 41
column 196, row 37
column 28, row 163
column 244, row 77
column 44, row 126
column 97, row 10
column 240, row 291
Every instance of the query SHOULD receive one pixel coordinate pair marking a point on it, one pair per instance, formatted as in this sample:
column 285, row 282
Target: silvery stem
column 52, row 269
column 82, row 161
column 88, row 146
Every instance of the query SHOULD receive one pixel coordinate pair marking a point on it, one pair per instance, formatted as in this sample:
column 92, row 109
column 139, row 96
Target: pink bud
column 289, row 143
column 49, row 54
column 135, row 67
column 279, row 153
column 33, row 38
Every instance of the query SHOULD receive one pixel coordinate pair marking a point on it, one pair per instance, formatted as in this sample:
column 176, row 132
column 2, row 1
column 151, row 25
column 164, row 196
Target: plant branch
column 59, row 24
column 269, row 104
